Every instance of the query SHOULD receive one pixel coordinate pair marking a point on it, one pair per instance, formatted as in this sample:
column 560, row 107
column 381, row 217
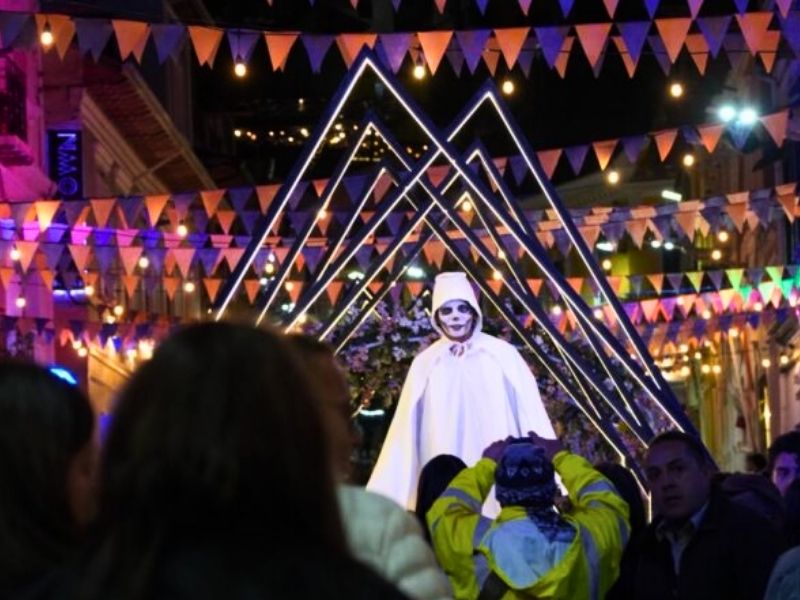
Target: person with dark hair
column 530, row 550
column 216, row 480
column 47, row 471
column 433, row 481
column 784, row 460
column 784, row 583
column 379, row 532
column 463, row 391
column 756, row 463
column 700, row 544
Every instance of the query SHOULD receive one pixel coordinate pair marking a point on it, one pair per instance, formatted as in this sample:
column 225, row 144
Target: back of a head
column 525, row 477
column 627, row 487
column 792, row 512
column 44, row 423
column 433, row 481
column 786, row 443
column 217, row 437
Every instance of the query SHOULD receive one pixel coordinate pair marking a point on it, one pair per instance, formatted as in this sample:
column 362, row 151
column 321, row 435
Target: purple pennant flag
column 525, row 6
column 716, row 278
column 249, row 219
column 635, row 282
column 297, row 195
column 241, row 241
column 663, row 224
column 714, row 30
column 634, row 145
column 208, row 258
column 741, row 6
column 753, row 320
column 525, row 58
column 613, row 230
column 562, row 241
column 694, row 7
column 105, row 256
column 739, row 133
column 354, row 186
column 242, row 43
column 576, row 156
column 724, row 322
column 566, row 6
column 556, row 295
column 298, row 219
column 55, row 233
column 395, row 45
column 754, row 274
column 456, row 59
column 167, row 39
column 763, row 210
column 713, row 216
column 364, row 256
column 481, row 4
column 131, row 206
column 52, row 254
column 675, row 281
column 93, row 35
column 518, row 168
column 660, row 53
column 72, row 210
column 312, row 256
column 181, row 203
column 652, row 7
column 197, row 239
column 473, row 42
column 691, row 135
column 791, row 31
column 151, row 238
column 200, row 218
column 393, row 222
column 104, row 236
column 260, row 260
column 317, row 47
column 11, row 25
column 238, row 197
column 736, row 50
column 674, row 328
column 699, row 328
column 551, row 40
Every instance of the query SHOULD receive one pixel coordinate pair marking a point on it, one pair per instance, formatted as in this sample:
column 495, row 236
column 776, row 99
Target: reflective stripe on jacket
column 468, row 545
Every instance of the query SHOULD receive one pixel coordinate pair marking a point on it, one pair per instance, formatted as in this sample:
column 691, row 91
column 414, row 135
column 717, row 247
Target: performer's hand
column 495, row 450
column 551, row 447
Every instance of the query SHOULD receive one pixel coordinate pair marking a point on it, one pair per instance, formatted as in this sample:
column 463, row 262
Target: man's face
column 785, row 471
column 455, row 318
column 680, row 485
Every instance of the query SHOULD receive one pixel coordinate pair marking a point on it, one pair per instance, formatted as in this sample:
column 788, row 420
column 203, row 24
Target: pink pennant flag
column 664, row 142
column 673, row 33
column 593, row 38
column 776, row 124
column 754, row 27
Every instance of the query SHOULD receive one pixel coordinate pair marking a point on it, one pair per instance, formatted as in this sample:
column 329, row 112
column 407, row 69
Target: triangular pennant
column 131, row 37
column 129, row 257
column 395, row 46
column 776, row 124
column 698, row 49
column 566, row 6
column 317, row 47
column 549, row 160
column 593, row 38
column 167, row 39
column 350, row 44
column 510, row 42
column 673, row 33
column 754, row 27
column 333, row 290
column 93, row 36
column 155, row 206
column 576, row 155
column 26, row 252
column 205, row 41
column 278, row 46
column 102, row 207
column 45, row 211
column 170, row 286
column 714, row 30
column 131, row 283
column 491, row 56
column 634, row 34
column 688, row 222
column 80, row 256
column 634, row 145
column 738, row 214
column 652, row 7
column 434, row 44
column 710, row 135
column 241, row 44
column 183, row 258
column 473, row 42
column 604, row 150
column 789, row 204
column 563, row 57
column 551, row 40
column 664, row 142
column 212, row 286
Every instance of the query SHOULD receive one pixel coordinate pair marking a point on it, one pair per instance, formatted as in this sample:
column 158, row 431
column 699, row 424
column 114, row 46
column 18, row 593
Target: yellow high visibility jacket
column 469, row 546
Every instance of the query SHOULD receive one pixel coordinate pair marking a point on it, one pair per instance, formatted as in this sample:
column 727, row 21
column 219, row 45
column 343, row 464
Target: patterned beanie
column 525, row 477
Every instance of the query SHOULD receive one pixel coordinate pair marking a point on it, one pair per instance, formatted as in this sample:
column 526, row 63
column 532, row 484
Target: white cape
column 457, row 405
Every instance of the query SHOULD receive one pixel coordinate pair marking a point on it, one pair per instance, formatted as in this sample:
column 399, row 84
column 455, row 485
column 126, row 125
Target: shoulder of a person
column 495, row 344
column 369, row 505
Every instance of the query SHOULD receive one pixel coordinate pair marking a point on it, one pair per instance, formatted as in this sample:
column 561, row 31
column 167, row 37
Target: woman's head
column 434, row 478
column 219, row 434
column 46, row 469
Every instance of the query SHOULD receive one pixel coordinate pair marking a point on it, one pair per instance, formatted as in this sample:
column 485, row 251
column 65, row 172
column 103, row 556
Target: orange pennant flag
column 604, row 150
column 549, row 160
column 183, row 258
column 333, row 290
column 6, row 275
column 102, row 207
column 294, row 290
column 170, row 286
column 754, row 28
column 710, row 135
column 593, row 38
column 212, row 287
column 590, row 233
column 80, row 256
column 131, row 282
column 434, row 45
column 769, row 49
column 47, row 278
column 776, row 124
column 155, row 206
column 535, row 285
column 205, row 41
column 697, row 46
column 496, row 285
column 650, row 309
column 563, row 56
column 62, row 28
column 211, row 200
column 510, row 41
column 657, row 281
column 636, row 228
column 279, row 45
column 169, row 263
column 26, row 252
column 319, row 186
column 576, row 283
column 611, row 7
column 232, row 256
column 789, row 204
column 440, row 6
column 45, row 211
column 131, row 37
column 673, row 33
column 350, row 44
column 627, row 59
column 251, row 287
column 266, row 194
column 226, row 218
column 687, row 221
column 738, row 214
column 129, row 257
column 664, row 141
column 491, row 55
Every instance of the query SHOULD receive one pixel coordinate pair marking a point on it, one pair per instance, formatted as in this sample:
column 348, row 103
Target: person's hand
column 550, row 447
column 495, row 450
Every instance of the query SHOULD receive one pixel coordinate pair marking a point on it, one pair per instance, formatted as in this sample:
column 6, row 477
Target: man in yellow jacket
column 530, row 550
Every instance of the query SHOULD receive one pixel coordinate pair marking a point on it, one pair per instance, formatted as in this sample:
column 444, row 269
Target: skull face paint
column 457, row 320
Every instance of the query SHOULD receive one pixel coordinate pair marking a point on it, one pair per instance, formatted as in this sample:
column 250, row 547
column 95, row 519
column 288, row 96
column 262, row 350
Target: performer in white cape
column 463, row 392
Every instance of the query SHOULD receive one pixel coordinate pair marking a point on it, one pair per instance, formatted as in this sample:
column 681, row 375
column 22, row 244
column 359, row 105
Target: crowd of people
column 223, row 474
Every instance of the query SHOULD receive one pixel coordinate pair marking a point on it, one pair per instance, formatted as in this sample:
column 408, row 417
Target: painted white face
column 455, row 318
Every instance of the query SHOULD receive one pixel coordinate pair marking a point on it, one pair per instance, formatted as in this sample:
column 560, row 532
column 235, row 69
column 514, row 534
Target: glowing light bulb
column 705, row 369
column 706, row 314
column 144, row 262
column 419, row 72
column 698, row 356
column 508, row 87
column 497, row 275
column 688, row 160
column 716, row 369
column 598, row 314
column 237, row 133
column 88, row 290
column 723, row 236
column 607, row 264
column 182, row 230
column 119, row 310
column 288, row 286
column 466, row 206
column 83, row 352
column 189, row 287
column 676, row 90
column 766, row 363
column 784, row 360
column 240, row 68
column 556, row 310
column 758, row 307
column 20, row 302
column 269, row 268
column 15, row 254
column 46, row 37
column 304, row 132
column 685, row 371
column 716, row 254
column 683, row 348
column 733, row 332
column 612, row 177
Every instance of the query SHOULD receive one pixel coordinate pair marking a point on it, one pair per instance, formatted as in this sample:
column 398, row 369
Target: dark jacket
column 729, row 557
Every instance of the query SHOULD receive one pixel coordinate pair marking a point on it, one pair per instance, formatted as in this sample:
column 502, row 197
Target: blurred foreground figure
column 216, row 481
column 530, row 550
column 464, row 391
column 379, row 532
column 47, row 472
